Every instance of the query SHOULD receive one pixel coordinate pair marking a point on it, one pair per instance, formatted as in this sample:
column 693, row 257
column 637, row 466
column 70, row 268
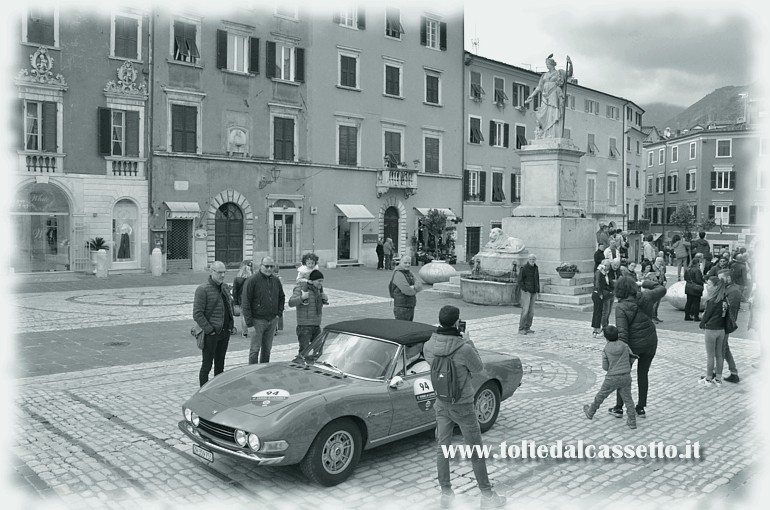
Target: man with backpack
column 454, row 359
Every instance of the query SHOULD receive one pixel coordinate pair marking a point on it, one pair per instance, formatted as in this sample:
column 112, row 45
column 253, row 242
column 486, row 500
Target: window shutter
column 526, row 95
column 513, row 187
column 270, row 60
column 482, row 186
column 21, row 122
column 491, row 132
column 515, row 95
column 191, row 129
column 132, row 134
column 506, row 129
column 442, row 31
column 361, row 16
column 423, row 31
column 299, row 72
column 713, row 180
column 712, row 211
column 466, row 183
column 49, row 127
column 177, row 125
column 732, row 179
column 221, row 49
column 254, row 55
column 336, row 17
column 104, row 130
column 731, row 218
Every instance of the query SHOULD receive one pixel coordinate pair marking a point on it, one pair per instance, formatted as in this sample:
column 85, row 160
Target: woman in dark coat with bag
column 633, row 318
column 602, row 298
column 693, row 289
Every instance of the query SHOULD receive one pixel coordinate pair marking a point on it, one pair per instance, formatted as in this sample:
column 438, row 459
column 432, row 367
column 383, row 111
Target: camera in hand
column 461, row 326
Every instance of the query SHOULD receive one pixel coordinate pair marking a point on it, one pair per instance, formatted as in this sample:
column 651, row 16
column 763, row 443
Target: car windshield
column 352, row 354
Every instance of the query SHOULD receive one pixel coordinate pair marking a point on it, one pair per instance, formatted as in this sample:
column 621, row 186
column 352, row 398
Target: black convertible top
column 402, row 332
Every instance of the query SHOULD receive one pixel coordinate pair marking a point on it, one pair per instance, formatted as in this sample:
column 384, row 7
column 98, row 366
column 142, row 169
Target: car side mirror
column 396, row 382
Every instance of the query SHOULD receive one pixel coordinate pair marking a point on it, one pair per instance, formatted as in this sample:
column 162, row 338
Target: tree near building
column 688, row 223
column 434, row 225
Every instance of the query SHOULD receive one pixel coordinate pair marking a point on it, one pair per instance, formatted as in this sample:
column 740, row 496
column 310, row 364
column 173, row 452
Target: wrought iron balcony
column 397, row 178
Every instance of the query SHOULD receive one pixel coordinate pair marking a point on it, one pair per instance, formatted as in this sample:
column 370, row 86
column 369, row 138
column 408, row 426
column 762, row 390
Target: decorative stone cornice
column 41, row 72
column 126, row 83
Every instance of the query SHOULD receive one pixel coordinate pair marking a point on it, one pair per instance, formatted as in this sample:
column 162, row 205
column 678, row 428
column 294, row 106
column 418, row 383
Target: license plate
column 203, row 453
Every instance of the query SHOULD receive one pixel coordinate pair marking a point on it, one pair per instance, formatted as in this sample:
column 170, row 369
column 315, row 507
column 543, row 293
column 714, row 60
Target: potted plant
column 567, row 270
column 437, row 269
column 94, row 245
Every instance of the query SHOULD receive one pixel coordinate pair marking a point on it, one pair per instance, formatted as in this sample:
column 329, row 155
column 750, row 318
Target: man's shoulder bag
column 200, row 336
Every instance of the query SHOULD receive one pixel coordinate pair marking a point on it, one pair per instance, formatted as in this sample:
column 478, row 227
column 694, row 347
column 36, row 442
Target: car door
column 412, row 401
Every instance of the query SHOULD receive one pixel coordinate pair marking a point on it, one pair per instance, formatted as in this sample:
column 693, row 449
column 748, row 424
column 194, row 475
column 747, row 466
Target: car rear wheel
column 487, row 404
column 334, row 453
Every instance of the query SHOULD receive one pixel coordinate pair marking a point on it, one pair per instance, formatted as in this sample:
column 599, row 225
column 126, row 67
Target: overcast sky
column 652, row 51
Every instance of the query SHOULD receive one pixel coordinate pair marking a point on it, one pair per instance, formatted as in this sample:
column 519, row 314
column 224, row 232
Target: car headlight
column 253, row 442
column 240, row 437
column 194, row 418
column 187, row 414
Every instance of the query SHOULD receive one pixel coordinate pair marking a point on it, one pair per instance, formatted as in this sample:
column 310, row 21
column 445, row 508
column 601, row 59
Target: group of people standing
column 258, row 298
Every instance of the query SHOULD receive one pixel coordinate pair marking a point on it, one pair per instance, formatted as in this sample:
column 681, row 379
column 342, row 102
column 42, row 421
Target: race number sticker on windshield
column 424, row 394
column 267, row 396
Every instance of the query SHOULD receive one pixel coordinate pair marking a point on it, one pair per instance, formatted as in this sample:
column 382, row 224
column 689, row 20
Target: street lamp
column 275, row 172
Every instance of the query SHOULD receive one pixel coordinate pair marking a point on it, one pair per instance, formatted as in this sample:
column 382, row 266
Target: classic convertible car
column 359, row 384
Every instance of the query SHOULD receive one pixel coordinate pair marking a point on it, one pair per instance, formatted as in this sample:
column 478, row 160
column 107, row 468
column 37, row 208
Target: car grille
column 216, row 430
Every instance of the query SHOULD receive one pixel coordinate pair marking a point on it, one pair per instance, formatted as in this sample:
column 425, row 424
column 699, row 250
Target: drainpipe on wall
column 150, row 120
column 623, row 167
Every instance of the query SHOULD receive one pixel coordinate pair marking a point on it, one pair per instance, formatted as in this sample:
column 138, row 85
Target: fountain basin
column 485, row 291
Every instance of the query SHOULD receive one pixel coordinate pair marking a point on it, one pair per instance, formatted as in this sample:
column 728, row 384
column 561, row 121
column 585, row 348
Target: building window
column 675, row 154
column 186, row 42
column 661, row 156
column 763, row 178
column 285, row 62
column 126, row 36
column 637, row 179
column 498, row 193
column 498, row 133
column 571, row 101
column 283, row 138
column 41, row 26
column 629, row 114
column 500, row 96
column 592, row 149
column 287, row 9
column 520, row 94
column 638, row 119
column 567, row 133
column 592, row 106
column 650, row 157
column 393, row 26
column 673, row 183
column 40, row 126
column 433, row 33
column 521, row 136
column 723, row 214
column 432, row 88
column 476, row 90
column 118, row 132
column 474, row 185
column 351, row 17
column 475, row 130
column 238, row 53
column 515, row 187
column 722, row 179
column 612, row 192
column 392, row 80
column 689, row 180
column 432, row 154
column 393, row 148
column 613, row 112
column 659, row 182
column 638, row 147
column 348, row 70
column 628, row 177
column 693, row 150
column 614, row 153
column 184, row 128
column 347, row 136
column 724, row 148
column 628, row 144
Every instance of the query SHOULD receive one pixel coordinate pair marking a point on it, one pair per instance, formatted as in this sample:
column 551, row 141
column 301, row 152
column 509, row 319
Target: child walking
column 616, row 360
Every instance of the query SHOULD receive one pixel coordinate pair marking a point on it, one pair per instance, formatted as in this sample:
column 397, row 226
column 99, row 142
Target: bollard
column 101, row 264
column 156, row 262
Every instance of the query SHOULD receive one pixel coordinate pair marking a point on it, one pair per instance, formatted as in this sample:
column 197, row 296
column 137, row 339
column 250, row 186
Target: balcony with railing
column 118, row 166
column 41, row 162
column 397, row 177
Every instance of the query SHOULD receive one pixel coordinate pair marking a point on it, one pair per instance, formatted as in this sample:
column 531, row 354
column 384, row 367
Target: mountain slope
column 657, row 114
column 724, row 105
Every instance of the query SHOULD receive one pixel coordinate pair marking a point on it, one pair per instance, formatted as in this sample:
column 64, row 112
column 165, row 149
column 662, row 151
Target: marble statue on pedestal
column 553, row 90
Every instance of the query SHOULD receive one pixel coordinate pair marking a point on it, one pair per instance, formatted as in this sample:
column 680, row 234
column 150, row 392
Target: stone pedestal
column 555, row 240
column 497, row 263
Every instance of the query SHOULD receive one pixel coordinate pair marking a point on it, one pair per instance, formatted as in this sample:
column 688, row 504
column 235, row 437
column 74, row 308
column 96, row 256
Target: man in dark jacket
column 599, row 256
column 739, row 272
column 262, row 303
column 213, row 312
column 445, row 340
column 700, row 245
column 529, row 284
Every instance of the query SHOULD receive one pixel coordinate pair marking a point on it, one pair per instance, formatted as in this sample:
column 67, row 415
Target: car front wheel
column 334, row 453
column 487, row 404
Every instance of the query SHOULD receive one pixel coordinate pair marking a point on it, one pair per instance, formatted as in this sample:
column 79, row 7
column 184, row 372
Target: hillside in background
column 657, row 114
column 724, row 105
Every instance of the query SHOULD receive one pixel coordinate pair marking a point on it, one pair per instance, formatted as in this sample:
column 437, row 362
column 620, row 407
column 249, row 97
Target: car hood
column 261, row 390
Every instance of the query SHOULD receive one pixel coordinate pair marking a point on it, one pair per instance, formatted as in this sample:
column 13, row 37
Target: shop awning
column 355, row 212
column 448, row 212
column 655, row 237
column 183, row 210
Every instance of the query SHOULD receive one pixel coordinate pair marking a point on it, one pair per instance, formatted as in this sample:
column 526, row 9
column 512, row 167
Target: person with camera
column 451, row 339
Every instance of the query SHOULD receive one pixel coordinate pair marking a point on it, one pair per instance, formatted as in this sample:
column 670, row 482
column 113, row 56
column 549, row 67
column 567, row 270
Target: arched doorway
column 228, row 235
column 390, row 225
column 42, row 229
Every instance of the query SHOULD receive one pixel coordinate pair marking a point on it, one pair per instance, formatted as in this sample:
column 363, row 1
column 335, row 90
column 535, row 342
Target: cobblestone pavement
column 107, row 437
